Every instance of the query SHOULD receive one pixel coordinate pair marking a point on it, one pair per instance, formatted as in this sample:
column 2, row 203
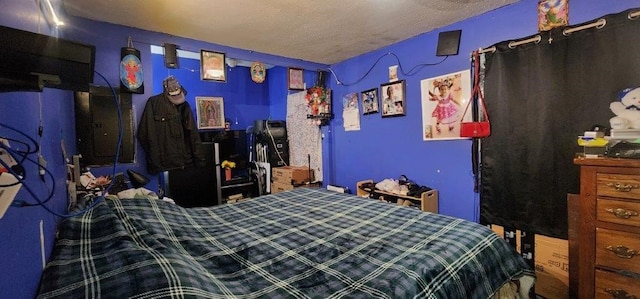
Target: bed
column 302, row 243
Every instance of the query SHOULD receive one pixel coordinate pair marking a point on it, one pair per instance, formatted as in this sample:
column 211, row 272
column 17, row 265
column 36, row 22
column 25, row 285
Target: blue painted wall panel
column 383, row 148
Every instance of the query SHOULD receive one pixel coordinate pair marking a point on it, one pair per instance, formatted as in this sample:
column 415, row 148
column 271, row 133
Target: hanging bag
column 476, row 129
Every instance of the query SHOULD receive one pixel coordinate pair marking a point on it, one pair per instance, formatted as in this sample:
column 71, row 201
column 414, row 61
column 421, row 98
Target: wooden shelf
column 428, row 201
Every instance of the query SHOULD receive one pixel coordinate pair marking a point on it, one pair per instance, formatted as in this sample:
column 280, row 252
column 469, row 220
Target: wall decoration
column 350, row 113
column 319, row 101
column 295, row 78
column 258, row 72
column 210, row 112
column 443, row 100
column 131, row 78
column 393, row 73
column 393, row 99
column 552, row 14
column 305, row 141
column 369, row 100
column 212, row 66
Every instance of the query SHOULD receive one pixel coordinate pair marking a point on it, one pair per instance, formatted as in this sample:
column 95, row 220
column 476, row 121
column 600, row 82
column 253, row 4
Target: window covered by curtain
column 541, row 96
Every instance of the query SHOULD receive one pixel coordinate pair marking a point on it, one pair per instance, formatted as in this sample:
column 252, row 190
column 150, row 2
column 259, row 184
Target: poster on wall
column 210, row 112
column 131, row 77
column 443, row 100
column 350, row 112
column 552, row 14
column 305, row 139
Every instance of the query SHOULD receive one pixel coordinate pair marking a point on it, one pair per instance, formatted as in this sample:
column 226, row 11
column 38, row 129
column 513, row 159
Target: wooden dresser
column 608, row 235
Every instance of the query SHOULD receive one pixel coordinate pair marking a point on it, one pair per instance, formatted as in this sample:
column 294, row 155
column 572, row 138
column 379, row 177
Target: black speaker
column 321, row 78
column 170, row 56
column 448, row 43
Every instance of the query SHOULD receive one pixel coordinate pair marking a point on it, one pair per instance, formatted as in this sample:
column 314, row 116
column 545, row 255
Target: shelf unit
column 427, row 202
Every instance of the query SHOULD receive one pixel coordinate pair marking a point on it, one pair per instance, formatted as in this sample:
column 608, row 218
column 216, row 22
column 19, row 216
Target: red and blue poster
column 131, row 78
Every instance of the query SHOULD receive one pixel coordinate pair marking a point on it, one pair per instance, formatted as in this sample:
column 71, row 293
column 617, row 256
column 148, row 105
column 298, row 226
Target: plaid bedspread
column 304, row 243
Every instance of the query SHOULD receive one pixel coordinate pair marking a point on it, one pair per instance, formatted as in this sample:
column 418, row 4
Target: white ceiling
column 321, row 31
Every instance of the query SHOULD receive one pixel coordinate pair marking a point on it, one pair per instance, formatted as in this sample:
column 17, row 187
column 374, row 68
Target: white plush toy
column 627, row 110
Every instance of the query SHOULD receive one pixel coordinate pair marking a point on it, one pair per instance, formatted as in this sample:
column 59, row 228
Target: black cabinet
column 196, row 186
column 97, row 126
column 207, row 186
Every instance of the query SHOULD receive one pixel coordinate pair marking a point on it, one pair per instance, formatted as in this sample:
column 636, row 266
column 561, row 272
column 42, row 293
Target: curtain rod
column 487, row 50
column 597, row 24
column 536, row 39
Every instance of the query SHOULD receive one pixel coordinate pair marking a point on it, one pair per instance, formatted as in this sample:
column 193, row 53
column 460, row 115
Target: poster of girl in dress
column 443, row 101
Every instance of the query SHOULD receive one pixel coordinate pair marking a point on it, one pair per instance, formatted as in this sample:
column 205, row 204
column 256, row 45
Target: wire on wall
column 411, row 72
column 20, row 175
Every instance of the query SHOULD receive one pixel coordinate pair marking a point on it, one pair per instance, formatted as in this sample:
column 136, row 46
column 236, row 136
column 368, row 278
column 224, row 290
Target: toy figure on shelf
column 626, row 109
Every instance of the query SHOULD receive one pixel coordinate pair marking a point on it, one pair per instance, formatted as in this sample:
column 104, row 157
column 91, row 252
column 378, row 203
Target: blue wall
column 383, row 148
column 390, row 147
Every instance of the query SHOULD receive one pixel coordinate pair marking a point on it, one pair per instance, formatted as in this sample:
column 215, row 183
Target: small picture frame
column 212, row 66
column 210, row 113
column 369, row 99
column 552, row 14
column 295, row 78
column 393, row 99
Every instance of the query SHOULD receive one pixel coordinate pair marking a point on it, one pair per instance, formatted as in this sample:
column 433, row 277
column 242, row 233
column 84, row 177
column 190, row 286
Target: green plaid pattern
column 303, row 243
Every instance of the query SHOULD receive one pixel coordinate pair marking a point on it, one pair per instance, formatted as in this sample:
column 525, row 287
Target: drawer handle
column 622, row 187
column 622, row 213
column 619, row 294
column 622, row 251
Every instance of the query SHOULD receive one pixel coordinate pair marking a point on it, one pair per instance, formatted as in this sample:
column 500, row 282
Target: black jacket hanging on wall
column 168, row 135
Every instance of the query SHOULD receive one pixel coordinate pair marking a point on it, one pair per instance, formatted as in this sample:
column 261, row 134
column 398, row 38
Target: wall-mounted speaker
column 448, row 43
column 170, row 56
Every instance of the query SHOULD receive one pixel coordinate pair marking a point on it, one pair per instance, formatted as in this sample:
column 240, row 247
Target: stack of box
column 550, row 258
column 289, row 177
column 593, row 143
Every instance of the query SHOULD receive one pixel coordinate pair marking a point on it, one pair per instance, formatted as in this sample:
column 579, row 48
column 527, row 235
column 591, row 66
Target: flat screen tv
column 31, row 61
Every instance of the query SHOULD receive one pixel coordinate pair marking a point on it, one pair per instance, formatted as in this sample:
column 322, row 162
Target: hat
column 173, row 90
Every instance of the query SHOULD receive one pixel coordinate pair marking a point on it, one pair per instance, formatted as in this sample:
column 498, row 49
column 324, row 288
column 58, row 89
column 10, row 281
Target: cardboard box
column 292, row 174
column 279, row 187
column 552, row 267
column 551, row 259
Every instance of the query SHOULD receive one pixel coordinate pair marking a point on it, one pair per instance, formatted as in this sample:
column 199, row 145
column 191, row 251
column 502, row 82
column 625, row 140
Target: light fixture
column 231, row 62
column 51, row 11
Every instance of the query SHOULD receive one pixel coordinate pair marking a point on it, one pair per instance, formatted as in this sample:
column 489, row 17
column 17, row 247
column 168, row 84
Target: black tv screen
column 233, row 146
column 53, row 62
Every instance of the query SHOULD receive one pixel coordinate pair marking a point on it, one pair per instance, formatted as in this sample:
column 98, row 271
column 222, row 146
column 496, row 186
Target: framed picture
column 212, row 66
column 444, row 99
column 295, row 78
column 369, row 100
column 552, row 14
column 210, row 112
column 393, row 102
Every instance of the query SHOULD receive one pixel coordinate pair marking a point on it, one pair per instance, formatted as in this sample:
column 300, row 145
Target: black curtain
column 540, row 97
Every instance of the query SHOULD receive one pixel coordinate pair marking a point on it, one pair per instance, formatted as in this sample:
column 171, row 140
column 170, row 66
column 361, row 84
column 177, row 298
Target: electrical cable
column 273, row 141
column 22, row 180
column 97, row 199
column 411, row 72
column 42, row 163
column 22, row 153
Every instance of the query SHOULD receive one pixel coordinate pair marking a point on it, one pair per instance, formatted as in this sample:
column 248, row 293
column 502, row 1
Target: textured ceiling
column 321, row 31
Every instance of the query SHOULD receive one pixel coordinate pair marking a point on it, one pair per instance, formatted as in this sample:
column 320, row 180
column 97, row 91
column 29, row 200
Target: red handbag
column 476, row 129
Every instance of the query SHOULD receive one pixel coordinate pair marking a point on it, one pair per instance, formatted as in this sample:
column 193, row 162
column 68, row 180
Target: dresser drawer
column 609, row 284
column 619, row 250
column 619, row 185
column 617, row 211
